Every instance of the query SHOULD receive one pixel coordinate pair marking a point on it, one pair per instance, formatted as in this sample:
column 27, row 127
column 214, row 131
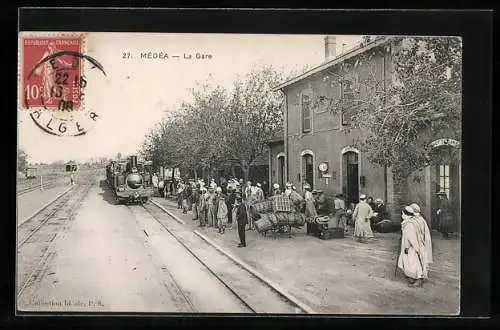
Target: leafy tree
column 22, row 160
column 255, row 114
column 401, row 115
column 219, row 127
column 205, row 130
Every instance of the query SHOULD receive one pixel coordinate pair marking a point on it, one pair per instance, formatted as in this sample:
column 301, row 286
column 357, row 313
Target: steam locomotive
column 130, row 180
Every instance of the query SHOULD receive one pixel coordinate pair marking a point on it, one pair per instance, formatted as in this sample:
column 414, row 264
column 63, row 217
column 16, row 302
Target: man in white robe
column 361, row 216
column 412, row 255
column 424, row 230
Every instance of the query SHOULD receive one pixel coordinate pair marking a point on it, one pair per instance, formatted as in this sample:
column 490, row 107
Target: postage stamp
column 53, row 81
column 52, row 73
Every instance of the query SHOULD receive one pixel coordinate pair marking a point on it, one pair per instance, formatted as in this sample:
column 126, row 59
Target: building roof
column 277, row 137
column 339, row 59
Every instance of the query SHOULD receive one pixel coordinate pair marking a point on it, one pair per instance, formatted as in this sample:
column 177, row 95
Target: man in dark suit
column 241, row 217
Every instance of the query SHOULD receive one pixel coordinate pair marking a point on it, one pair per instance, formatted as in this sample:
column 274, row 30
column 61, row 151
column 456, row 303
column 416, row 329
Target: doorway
column 308, row 170
column 281, row 171
column 350, row 176
column 445, row 178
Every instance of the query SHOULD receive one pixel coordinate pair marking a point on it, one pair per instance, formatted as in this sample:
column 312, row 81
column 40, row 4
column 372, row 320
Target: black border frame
column 474, row 26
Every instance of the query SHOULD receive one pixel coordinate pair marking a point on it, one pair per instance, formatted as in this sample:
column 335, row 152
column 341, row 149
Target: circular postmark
column 55, row 82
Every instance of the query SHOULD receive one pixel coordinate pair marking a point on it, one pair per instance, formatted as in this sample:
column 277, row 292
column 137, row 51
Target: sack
column 253, row 213
column 271, row 217
column 282, row 204
column 299, row 219
column 284, row 218
column 296, row 198
column 264, row 207
column 263, row 224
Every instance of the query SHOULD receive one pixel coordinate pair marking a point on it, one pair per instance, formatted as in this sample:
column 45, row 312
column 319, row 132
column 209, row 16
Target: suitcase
column 329, row 233
column 387, row 226
column 315, row 229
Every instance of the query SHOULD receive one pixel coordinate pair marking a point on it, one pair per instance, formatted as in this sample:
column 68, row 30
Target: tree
column 402, row 115
column 254, row 115
column 119, row 156
column 22, row 160
column 205, row 130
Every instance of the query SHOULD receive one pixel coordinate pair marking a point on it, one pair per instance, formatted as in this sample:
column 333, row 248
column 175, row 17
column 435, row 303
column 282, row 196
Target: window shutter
column 307, row 124
column 306, row 114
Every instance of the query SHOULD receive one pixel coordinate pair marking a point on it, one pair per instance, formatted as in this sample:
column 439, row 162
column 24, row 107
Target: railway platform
column 341, row 275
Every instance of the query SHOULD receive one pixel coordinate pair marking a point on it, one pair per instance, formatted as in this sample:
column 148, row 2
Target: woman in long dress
column 361, row 216
column 309, row 199
column 221, row 211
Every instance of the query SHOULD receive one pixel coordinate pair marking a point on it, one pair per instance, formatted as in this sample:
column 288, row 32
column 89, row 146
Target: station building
column 317, row 147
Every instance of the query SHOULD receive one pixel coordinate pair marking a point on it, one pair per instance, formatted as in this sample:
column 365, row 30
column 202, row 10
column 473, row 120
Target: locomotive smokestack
column 133, row 162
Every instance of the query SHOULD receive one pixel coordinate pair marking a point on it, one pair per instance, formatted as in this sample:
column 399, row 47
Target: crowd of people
column 226, row 205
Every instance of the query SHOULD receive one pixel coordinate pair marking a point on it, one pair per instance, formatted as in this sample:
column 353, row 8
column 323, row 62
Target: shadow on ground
column 106, row 193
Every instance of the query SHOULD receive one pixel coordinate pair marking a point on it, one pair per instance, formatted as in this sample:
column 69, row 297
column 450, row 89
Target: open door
column 350, row 177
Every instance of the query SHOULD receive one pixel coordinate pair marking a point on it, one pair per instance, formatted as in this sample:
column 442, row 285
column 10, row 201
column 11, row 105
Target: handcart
column 275, row 216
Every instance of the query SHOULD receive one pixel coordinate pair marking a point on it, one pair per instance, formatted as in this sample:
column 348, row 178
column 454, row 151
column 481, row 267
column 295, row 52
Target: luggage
column 253, row 213
column 285, row 218
column 263, row 224
column 271, row 217
column 322, row 219
column 331, row 233
column 299, row 219
column 282, row 204
column 263, row 207
column 387, row 226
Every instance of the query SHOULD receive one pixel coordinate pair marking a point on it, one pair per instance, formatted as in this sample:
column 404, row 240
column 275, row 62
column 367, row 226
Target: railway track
column 38, row 235
column 45, row 185
column 255, row 294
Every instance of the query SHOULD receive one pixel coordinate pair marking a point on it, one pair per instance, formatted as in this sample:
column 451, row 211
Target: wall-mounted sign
column 445, row 142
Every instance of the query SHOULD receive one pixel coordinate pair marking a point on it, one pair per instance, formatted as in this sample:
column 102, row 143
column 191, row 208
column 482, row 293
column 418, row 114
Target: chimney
column 330, row 48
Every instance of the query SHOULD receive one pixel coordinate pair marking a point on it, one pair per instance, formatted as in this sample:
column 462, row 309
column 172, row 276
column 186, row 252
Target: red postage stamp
column 51, row 73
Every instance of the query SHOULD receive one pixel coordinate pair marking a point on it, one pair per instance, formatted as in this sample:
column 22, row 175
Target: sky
column 137, row 92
